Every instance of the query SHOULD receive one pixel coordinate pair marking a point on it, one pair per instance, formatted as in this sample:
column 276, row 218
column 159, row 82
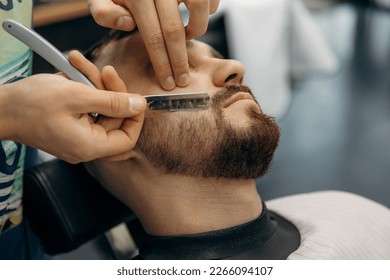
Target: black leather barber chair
column 66, row 207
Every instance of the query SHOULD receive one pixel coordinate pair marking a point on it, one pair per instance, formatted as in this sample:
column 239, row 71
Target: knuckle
column 164, row 70
column 155, row 41
column 181, row 64
column 115, row 103
column 174, row 31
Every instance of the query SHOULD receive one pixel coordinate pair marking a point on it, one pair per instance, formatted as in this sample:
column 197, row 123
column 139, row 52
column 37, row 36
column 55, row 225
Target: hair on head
column 113, row 35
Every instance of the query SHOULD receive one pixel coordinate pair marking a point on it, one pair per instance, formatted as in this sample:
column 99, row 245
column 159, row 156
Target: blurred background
column 336, row 131
column 322, row 68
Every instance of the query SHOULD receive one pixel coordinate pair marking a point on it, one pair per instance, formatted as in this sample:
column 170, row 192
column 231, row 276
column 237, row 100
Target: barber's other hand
column 49, row 112
column 162, row 29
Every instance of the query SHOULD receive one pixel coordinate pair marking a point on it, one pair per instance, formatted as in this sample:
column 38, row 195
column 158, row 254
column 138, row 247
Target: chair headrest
column 66, row 207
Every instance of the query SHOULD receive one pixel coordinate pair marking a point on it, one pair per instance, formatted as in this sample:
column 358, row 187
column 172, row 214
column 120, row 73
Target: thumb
column 113, row 104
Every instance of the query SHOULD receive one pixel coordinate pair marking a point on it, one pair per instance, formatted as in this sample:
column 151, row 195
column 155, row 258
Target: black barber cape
column 269, row 237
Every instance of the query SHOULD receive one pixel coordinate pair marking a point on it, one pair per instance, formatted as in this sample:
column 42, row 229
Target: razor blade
column 178, row 101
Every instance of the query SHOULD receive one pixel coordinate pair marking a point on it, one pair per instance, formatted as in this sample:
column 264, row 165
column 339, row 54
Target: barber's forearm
column 5, row 121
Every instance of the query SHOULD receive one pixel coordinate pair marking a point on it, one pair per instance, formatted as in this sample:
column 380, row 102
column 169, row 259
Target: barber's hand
column 107, row 79
column 162, row 29
column 49, row 112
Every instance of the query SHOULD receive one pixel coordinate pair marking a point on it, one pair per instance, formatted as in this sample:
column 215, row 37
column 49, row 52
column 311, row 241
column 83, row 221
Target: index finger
column 146, row 17
column 162, row 30
column 175, row 39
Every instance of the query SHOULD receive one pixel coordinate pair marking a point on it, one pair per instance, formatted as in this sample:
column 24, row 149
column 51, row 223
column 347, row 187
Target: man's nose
column 228, row 72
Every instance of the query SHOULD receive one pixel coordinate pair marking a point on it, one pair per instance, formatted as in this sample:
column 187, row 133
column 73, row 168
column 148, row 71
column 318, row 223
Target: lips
column 238, row 97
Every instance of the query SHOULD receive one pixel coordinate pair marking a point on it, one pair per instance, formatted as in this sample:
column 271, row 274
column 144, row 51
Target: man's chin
column 241, row 113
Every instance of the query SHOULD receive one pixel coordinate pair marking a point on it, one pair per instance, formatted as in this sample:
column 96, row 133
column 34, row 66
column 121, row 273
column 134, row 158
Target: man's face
column 232, row 139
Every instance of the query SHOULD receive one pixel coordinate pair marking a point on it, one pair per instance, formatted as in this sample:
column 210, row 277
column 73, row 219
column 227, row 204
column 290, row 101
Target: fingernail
column 124, row 22
column 169, row 83
column 183, row 80
column 137, row 104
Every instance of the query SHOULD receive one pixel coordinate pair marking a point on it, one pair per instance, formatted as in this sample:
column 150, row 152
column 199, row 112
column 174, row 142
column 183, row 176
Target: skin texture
column 162, row 29
column 168, row 199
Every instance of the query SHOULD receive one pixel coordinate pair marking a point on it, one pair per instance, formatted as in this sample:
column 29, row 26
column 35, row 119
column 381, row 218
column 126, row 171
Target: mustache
column 225, row 93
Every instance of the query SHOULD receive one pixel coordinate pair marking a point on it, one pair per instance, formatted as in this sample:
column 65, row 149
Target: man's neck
column 176, row 205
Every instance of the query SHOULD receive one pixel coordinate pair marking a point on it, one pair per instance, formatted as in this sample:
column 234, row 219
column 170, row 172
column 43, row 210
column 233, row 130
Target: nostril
column 231, row 77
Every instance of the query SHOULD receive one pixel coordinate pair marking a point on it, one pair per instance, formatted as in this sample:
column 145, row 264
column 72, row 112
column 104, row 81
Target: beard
column 204, row 144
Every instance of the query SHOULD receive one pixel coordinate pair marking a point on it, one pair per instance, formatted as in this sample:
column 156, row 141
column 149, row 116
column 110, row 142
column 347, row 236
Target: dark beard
column 204, row 144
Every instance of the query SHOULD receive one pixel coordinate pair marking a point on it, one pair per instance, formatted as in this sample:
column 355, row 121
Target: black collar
column 267, row 237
